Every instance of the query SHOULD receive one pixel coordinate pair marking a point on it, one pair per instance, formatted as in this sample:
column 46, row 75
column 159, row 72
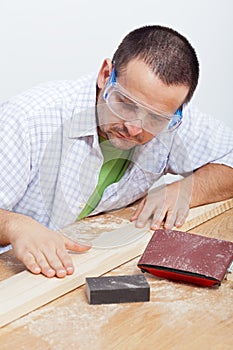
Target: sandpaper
column 187, row 257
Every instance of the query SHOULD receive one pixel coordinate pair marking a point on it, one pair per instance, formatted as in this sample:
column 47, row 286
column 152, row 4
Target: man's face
column 142, row 85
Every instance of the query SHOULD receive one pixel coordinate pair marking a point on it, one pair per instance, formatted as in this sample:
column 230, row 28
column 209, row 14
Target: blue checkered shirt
column 50, row 157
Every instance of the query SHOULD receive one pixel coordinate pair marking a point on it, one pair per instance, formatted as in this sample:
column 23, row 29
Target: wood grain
column 204, row 213
column 24, row 292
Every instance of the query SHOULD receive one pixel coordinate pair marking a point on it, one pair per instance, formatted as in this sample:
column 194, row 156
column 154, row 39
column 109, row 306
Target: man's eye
column 121, row 99
column 155, row 118
column 124, row 100
column 155, row 122
column 130, row 106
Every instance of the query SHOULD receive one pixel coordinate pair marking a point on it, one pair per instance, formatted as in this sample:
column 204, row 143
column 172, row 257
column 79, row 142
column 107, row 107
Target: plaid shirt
column 50, row 157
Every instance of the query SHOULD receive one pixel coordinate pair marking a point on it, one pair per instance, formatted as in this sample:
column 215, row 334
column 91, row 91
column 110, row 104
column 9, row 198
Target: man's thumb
column 75, row 246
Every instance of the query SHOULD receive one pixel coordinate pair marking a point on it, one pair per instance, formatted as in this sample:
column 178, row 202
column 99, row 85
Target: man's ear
column 104, row 73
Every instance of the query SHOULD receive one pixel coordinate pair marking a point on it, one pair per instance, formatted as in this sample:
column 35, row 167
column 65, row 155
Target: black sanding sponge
column 117, row 289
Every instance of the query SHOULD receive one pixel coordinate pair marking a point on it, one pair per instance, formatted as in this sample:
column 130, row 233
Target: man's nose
column 134, row 127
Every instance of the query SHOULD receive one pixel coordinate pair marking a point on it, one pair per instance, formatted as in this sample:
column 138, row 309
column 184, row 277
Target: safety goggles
column 129, row 109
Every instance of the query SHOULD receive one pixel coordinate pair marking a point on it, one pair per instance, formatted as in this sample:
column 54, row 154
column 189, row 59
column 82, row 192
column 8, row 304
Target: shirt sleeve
column 201, row 139
column 14, row 155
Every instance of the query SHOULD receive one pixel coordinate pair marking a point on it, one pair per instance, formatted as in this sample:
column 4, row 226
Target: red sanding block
column 187, row 257
column 117, row 289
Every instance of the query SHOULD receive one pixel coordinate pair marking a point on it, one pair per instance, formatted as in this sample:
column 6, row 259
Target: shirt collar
column 83, row 122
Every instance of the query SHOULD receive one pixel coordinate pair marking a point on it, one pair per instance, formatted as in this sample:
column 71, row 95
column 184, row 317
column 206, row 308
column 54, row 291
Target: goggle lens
column 126, row 108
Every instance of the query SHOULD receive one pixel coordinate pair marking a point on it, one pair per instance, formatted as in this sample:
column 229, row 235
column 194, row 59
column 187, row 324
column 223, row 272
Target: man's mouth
column 123, row 136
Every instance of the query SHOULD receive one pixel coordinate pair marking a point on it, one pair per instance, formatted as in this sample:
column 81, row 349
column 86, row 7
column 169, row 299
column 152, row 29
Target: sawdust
column 106, row 223
column 183, row 300
column 98, row 232
column 172, row 306
column 91, row 228
column 78, row 325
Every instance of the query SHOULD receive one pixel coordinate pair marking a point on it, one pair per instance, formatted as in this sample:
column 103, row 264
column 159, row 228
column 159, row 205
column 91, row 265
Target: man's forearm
column 9, row 224
column 211, row 183
column 5, row 219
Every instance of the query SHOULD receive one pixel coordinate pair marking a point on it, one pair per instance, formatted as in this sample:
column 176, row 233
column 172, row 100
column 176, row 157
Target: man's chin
column 121, row 143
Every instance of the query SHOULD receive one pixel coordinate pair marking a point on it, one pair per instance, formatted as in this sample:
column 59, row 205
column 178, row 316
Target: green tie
column 116, row 162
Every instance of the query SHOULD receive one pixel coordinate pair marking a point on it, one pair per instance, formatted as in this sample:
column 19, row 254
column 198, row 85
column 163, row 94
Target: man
column 71, row 149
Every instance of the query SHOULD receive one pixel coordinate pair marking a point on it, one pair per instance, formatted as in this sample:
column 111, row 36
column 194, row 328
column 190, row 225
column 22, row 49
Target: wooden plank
column 25, row 292
column 177, row 315
column 204, row 213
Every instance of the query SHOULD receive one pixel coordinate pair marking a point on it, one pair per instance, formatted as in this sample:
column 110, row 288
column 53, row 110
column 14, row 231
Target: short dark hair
column 168, row 53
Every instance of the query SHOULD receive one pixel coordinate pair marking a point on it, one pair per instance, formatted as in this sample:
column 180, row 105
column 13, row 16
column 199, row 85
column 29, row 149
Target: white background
column 45, row 40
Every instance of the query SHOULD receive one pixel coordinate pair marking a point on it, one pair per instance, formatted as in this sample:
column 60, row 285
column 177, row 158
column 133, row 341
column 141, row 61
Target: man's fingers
column 168, row 206
column 138, row 210
column 181, row 216
column 175, row 218
column 50, row 261
column 45, row 251
column 158, row 218
column 50, row 265
column 31, row 264
column 66, row 260
column 59, row 260
column 74, row 246
column 146, row 214
column 170, row 220
column 47, row 267
column 143, row 218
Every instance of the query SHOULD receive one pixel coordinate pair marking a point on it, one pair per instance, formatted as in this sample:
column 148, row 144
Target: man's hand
column 170, row 205
column 167, row 206
column 40, row 249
